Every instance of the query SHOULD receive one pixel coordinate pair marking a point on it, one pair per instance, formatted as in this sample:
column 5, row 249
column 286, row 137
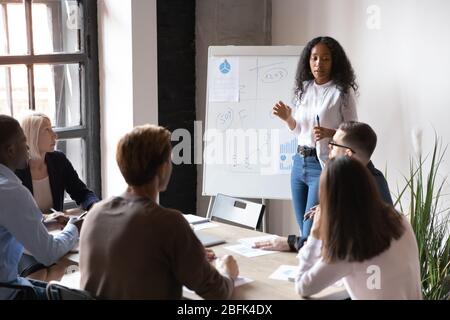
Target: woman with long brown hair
column 358, row 238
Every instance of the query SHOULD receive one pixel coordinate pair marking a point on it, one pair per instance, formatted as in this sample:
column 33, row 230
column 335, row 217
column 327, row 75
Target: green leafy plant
column 423, row 195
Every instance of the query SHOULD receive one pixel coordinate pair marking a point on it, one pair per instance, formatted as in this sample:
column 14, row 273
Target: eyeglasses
column 334, row 144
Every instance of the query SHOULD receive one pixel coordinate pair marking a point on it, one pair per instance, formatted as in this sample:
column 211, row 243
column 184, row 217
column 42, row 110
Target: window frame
column 87, row 58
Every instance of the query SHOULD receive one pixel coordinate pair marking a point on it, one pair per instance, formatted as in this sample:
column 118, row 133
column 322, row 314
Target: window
column 49, row 63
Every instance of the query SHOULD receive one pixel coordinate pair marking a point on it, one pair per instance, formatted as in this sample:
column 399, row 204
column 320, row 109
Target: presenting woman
column 324, row 98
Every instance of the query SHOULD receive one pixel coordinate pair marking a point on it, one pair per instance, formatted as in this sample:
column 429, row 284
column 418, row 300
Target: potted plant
column 421, row 199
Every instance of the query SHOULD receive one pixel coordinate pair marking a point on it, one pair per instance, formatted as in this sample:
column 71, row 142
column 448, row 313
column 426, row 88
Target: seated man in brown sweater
column 133, row 248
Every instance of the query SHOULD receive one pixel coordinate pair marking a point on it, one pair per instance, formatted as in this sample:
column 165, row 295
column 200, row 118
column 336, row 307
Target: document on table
column 285, row 273
column 240, row 281
column 250, row 242
column 199, row 223
column 247, row 251
column 193, row 219
column 205, row 225
column 71, row 280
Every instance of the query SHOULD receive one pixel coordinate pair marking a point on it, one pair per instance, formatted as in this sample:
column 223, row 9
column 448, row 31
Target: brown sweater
column 132, row 248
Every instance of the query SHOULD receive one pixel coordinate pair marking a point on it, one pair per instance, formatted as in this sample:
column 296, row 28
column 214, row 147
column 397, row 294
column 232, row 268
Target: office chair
column 56, row 291
column 28, row 265
column 24, row 292
column 239, row 212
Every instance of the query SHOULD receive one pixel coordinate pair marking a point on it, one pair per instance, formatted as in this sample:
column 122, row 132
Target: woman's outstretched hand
column 282, row 111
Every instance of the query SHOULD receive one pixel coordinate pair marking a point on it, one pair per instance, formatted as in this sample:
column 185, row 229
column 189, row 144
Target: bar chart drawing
column 287, row 152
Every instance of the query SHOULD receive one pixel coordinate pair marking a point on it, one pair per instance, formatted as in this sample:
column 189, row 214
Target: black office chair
column 23, row 292
column 56, row 291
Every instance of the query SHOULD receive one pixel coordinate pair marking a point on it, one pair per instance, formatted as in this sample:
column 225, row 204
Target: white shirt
column 21, row 225
column 42, row 193
column 393, row 274
column 330, row 104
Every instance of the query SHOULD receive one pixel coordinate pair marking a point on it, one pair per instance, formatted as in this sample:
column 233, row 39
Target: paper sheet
column 247, row 251
column 205, row 225
column 285, row 273
column 193, row 219
column 74, row 257
column 240, row 281
column 224, row 79
column 71, row 280
column 199, row 223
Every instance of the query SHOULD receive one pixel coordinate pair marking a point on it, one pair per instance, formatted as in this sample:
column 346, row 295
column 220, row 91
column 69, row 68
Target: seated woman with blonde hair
column 133, row 248
column 358, row 238
column 50, row 173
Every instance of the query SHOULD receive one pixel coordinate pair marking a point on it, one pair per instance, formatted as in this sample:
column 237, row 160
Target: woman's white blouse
column 331, row 105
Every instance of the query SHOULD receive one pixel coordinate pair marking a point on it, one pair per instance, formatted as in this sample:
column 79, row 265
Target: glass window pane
column 5, row 106
column 74, row 150
column 58, row 93
column 13, row 31
column 57, row 26
column 14, row 90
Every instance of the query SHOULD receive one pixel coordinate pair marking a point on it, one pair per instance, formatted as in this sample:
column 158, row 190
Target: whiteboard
column 248, row 151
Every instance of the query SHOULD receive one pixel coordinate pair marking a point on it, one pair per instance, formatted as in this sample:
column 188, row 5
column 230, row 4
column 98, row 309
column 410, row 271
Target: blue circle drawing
column 225, row 67
column 283, row 157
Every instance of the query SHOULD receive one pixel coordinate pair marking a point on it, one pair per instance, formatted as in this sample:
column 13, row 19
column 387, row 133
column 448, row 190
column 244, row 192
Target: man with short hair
column 21, row 220
column 150, row 252
column 352, row 139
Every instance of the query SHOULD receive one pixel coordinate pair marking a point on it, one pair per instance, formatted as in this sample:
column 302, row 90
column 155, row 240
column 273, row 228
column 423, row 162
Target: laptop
column 208, row 240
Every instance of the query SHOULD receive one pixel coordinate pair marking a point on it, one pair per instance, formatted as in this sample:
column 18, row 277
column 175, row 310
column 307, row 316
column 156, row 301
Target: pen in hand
column 317, row 130
column 47, row 217
column 310, row 213
column 83, row 215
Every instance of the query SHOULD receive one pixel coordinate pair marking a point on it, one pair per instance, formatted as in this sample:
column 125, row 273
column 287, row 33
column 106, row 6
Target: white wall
column 402, row 69
column 128, row 77
column 145, row 62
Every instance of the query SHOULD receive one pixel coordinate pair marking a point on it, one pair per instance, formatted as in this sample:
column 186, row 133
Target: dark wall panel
column 176, row 91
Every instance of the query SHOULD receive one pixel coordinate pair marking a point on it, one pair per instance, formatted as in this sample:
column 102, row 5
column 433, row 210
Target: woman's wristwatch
column 292, row 242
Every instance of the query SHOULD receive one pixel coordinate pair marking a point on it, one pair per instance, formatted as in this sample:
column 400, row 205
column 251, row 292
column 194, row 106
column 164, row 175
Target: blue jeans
column 39, row 288
column 305, row 189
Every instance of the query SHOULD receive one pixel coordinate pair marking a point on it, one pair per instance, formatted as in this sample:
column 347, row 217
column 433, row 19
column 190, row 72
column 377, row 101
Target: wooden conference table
column 256, row 268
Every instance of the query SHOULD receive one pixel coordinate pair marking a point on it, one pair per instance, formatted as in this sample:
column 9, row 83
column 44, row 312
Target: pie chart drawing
column 225, row 67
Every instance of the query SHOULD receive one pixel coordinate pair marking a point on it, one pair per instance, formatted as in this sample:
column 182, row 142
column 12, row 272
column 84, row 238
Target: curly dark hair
column 341, row 70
